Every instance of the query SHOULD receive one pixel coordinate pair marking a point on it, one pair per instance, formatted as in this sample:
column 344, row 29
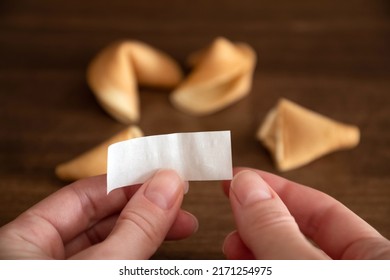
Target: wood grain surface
column 330, row 56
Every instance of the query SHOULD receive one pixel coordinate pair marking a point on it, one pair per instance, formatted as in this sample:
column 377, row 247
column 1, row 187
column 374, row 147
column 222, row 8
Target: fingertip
column 185, row 225
column 227, row 183
column 164, row 188
column 250, row 188
column 234, row 248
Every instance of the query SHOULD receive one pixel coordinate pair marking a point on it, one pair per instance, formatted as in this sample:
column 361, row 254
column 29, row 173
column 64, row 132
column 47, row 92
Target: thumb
column 145, row 220
column 264, row 223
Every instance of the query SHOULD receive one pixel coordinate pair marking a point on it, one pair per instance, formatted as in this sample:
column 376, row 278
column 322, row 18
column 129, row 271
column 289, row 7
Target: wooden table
column 330, row 56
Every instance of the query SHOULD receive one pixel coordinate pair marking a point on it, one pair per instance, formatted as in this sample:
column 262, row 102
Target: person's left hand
column 81, row 221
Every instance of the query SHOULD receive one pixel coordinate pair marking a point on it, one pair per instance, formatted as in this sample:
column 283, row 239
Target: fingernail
column 249, row 187
column 195, row 221
column 186, row 187
column 225, row 241
column 163, row 188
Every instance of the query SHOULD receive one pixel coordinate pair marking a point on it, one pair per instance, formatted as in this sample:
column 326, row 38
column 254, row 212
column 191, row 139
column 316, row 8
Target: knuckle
column 93, row 236
column 140, row 225
column 272, row 219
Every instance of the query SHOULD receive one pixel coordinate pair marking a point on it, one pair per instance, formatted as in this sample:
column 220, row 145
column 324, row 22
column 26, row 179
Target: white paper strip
column 195, row 156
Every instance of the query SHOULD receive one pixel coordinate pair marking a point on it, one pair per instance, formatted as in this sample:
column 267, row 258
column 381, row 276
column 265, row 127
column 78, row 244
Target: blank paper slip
column 195, row 156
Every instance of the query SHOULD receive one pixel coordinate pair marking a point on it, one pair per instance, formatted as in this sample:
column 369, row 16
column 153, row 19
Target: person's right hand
column 276, row 218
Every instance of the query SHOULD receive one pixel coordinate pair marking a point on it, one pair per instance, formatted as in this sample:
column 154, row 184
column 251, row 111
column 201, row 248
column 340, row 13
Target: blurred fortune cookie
column 296, row 136
column 115, row 73
column 94, row 161
column 222, row 75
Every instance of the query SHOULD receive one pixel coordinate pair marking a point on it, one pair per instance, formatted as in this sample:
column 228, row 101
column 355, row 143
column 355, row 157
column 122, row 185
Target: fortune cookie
column 296, row 136
column 94, row 161
column 222, row 75
column 115, row 73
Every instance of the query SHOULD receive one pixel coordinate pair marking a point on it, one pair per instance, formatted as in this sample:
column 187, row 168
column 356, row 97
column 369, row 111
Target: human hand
column 81, row 221
column 276, row 217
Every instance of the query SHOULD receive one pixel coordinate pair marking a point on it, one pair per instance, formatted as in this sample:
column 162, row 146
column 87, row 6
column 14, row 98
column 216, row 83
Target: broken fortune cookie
column 115, row 73
column 296, row 136
column 94, row 161
column 222, row 75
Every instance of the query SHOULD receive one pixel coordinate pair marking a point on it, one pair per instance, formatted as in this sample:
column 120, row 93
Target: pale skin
column 81, row 221
column 274, row 219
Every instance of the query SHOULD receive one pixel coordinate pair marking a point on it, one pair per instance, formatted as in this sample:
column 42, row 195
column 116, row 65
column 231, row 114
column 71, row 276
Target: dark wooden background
column 330, row 56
